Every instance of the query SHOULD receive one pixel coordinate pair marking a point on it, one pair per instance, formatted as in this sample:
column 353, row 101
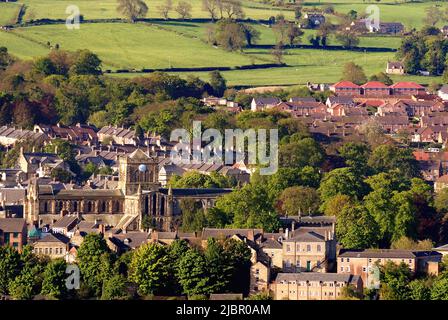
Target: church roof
column 197, row 192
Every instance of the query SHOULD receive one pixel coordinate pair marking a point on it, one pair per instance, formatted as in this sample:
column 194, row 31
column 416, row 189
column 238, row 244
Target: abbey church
column 137, row 195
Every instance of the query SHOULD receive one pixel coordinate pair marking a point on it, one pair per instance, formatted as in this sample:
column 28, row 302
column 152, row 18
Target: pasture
column 182, row 44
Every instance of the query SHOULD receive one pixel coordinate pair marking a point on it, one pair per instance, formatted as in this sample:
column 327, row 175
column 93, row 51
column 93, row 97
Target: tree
column 184, row 10
column 301, row 152
column 297, row 12
column 165, row 8
column 251, row 34
column 419, row 290
column 373, row 131
column 132, row 9
column 356, row 228
column 324, row 31
column 9, row 267
column 230, row 35
column 100, row 118
column 211, row 6
column 218, row 83
column 441, row 200
column 352, row 14
column 281, row 30
column 388, row 157
column 53, row 284
column 192, row 273
column 302, row 200
column 239, row 256
column 5, row 58
column 219, row 266
column 354, row 73
column 91, row 263
column 249, row 207
column 340, row 181
column 44, row 66
column 293, row 33
column 355, row 155
column 348, row 39
column 439, row 289
column 61, row 175
column 433, row 15
column 149, row 268
column 231, row 8
column 27, row 283
column 395, row 281
column 382, row 77
column 86, row 63
column 406, row 243
column 63, row 148
column 336, row 204
column 115, row 288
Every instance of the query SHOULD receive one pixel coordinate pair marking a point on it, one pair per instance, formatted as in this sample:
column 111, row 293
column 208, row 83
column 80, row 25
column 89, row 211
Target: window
column 16, row 234
column 318, row 248
column 342, row 269
column 364, row 269
column 308, row 248
column 347, row 268
column 342, row 259
column 288, row 248
column 298, row 264
column 348, row 259
column 257, row 271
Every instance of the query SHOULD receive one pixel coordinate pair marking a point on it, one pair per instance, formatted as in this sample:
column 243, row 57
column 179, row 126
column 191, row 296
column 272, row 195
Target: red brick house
column 406, row 88
column 345, row 88
column 13, row 232
column 375, row 88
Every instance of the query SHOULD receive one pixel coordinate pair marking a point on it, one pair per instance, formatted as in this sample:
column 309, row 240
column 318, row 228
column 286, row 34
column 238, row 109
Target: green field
column 55, row 9
column 8, row 12
column 165, row 44
column 135, row 46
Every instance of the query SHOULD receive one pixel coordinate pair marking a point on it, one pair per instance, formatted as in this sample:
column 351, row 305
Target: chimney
column 250, row 234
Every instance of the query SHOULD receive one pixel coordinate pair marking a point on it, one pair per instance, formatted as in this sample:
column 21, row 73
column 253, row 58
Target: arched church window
column 154, row 201
column 116, row 206
column 103, row 206
column 162, row 206
column 89, row 206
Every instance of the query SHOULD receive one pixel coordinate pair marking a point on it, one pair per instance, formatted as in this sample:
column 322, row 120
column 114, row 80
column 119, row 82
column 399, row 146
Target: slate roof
column 316, row 276
column 12, row 224
column 385, row 253
column 54, row 237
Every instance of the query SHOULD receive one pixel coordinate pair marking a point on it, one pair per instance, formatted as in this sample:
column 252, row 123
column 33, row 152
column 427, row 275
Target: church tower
column 138, row 169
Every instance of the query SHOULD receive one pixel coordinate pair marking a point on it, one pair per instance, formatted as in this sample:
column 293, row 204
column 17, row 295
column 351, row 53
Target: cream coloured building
column 313, row 285
column 364, row 262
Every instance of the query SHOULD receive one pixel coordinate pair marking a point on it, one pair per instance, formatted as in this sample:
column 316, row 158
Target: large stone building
column 138, row 194
column 314, row 286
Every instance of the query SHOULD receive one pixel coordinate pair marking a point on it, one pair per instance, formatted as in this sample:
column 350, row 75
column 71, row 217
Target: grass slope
column 9, row 12
column 135, row 46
